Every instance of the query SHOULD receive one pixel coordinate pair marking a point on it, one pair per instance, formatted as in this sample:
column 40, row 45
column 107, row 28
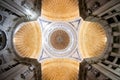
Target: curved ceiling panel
column 92, row 39
column 59, row 39
column 60, row 9
column 27, row 40
column 60, row 69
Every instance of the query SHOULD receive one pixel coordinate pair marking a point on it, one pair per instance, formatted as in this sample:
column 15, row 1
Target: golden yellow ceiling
column 27, row 40
column 92, row 39
column 60, row 9
column 60, row 69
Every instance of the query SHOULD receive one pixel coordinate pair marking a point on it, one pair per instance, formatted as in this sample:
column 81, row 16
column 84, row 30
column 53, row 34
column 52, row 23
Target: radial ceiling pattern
column 60, row 69
column 60, row 9
column 92, row 39
column 59, row 39
column 27, row 40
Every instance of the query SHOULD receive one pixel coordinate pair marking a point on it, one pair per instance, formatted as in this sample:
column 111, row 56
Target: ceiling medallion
column 59, row 39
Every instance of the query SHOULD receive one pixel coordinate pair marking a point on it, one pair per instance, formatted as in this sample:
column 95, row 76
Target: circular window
column 0, row 18
column 2, row 40
column 60, row 39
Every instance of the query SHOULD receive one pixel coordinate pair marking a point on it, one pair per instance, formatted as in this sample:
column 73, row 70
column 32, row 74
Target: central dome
column 59, row 39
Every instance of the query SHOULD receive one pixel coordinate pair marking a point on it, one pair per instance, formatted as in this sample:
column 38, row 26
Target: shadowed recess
column 60, row 69
column 27, row 40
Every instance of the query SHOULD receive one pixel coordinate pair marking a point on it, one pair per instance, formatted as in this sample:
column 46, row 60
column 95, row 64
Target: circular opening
column 59, row 39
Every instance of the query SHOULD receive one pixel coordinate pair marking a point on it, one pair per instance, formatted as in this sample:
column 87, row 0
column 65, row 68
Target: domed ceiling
column 60, row 9
column 60, row 39
column 62, row 69
column 27, row 39
column 92, row 39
